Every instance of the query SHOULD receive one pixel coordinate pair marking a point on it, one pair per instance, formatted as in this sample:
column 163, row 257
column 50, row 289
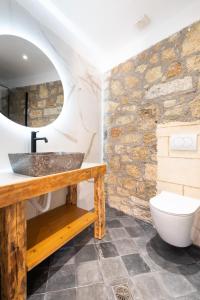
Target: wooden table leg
column 72, row 194
column 13, row 252
column 99, row 206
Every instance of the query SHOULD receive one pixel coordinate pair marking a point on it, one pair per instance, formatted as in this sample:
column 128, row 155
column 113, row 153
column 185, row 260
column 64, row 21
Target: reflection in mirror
column 31, row 92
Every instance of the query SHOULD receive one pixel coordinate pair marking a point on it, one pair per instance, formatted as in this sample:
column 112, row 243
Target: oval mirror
column 31, row 92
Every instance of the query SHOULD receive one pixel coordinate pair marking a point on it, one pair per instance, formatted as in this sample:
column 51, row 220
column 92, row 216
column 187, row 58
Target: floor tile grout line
column 72, row 288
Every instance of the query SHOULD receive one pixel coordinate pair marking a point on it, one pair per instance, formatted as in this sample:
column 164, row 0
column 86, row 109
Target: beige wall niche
column 179, row 171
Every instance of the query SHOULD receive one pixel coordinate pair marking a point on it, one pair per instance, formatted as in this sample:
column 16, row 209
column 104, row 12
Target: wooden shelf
column 45, row 233
column 48, row 232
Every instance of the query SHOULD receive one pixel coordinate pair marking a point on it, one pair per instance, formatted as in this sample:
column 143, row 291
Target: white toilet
column 173, row 216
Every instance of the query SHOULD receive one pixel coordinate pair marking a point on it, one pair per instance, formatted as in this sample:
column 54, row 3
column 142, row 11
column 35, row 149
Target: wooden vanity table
column 24, row 244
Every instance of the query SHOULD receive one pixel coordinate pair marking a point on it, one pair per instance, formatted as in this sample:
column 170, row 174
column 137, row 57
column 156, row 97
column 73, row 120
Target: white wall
column 79, row 122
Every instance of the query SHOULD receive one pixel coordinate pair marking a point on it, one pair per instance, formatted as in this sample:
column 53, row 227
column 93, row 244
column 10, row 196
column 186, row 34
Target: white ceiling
column 12, row 66
column 104, row 31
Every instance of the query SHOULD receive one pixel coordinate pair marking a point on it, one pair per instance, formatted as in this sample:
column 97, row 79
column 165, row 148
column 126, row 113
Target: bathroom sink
column 45, row 163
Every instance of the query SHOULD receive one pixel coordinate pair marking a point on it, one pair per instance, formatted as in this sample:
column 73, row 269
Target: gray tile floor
column 130, row 263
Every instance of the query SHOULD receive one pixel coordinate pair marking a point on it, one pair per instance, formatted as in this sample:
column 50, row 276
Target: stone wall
column 45, row 103
column 3, row 100
column 159, row 85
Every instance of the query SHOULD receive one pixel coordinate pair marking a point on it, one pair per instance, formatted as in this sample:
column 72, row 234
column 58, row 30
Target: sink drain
column 122, row 292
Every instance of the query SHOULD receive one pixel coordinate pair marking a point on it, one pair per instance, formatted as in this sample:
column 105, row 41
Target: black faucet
column 34, row 140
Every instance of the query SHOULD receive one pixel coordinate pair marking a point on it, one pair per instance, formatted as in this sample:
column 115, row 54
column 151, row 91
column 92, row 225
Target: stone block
column 38, row 122
column 154, row 58
column 174, row 112
column 136, row 94
column 139, row 153
column 125, row 158
column 41, row 104
column 108, row 148
column 110, row 190
column 111, row 179
column 122, row 192
column 153, row 74
column 123, row 120
column 174, row 69
column 54, row 90
column 50, row 111
column 110, row 106
column 116, row 88
column 60, row 99
column 169, row 103
column 43, row 92
column 127, row 108
column 141, row 68
column 168, row 54
column 33, row 88
column 131, row 139
column 35, row 113
column 114, row 163
column 115, row 132
column 175, row 86
column 193, row 63
column 151, row 172
column 195, row 107
column 131, row 82
column 133, row 170
column 147, row 124
column 128, row 183
column 126, row 67
column 115, row 201
column 120, row 149
column 51, row 102
column 149, row 138
column 60, row 88
column 191, row 43
column 140, row 202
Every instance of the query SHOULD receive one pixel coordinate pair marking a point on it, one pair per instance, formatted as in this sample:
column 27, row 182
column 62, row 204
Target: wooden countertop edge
column 33, row 187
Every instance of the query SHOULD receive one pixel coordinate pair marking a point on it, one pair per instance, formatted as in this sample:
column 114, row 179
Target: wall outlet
column 183, row 142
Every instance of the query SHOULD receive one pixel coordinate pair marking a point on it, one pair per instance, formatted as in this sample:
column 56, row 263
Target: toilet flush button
column 183, row 142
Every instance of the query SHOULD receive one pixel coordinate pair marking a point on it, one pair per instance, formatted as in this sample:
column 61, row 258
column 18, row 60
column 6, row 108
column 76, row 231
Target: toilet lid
column 175, row 204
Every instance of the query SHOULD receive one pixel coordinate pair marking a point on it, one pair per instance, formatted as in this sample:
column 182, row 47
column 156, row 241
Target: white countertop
column 8, row 177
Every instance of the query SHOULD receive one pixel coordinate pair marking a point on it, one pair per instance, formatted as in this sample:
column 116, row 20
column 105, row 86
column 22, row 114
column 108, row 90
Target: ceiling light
column 25, row 57
column 143, row 22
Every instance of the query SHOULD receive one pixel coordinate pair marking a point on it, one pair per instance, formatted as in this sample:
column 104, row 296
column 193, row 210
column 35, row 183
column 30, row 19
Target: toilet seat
column 175, row 204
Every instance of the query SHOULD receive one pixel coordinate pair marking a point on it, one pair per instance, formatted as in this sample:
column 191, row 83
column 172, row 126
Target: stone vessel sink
column 45, row 163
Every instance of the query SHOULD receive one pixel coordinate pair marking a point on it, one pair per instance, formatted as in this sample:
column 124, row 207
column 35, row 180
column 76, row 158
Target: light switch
column 183, row 142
